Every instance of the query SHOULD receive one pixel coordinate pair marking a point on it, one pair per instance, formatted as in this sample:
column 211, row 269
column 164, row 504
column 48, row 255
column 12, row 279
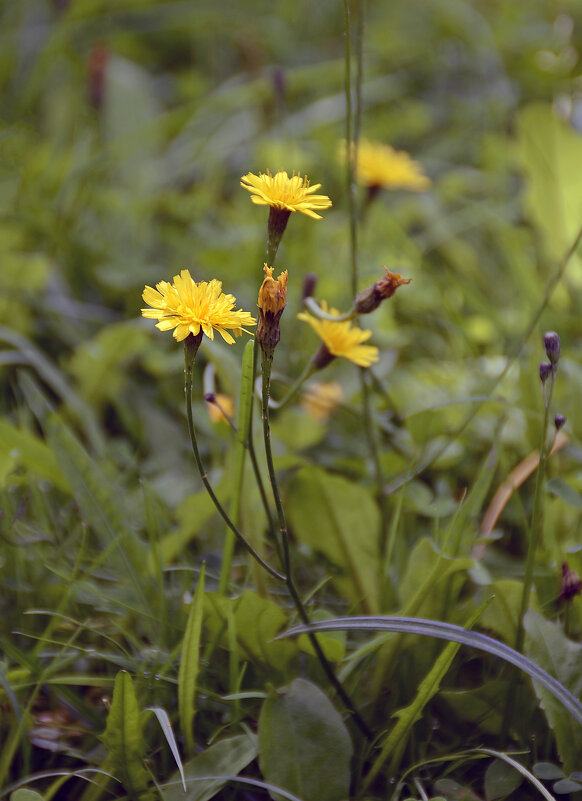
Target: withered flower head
column 272, row 300
column 371, row 298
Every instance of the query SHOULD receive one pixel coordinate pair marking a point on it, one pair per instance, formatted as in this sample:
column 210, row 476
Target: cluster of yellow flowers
column 190, row 308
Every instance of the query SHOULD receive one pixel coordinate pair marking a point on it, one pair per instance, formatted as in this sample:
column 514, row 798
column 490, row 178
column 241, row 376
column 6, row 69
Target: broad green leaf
column 501, row 780
column 100, row 364
column 340, row 519
column 123, row 737
column 224, row 758
column 189, row 666
column 549, row 647
column 426, row 579
column 502, row 613
column 304, row 746
column 24, row 794
column 557, row 486
column 547, row 149
column 453, row 791
column 256, row 622
column 27, row 450
column 547, row 771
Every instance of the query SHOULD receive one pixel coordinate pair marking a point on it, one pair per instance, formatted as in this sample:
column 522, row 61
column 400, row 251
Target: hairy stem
column 267, row 363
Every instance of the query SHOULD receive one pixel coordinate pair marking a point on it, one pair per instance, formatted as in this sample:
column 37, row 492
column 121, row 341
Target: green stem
column 316, row 309
column 267, row 363
column 537, row 514
column 189, row 358
column 307, row 372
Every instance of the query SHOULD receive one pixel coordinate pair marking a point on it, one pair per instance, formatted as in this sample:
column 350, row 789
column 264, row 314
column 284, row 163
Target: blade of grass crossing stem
column 448, row 631
column 189, row 666
column 243, row 427
column 395, row 742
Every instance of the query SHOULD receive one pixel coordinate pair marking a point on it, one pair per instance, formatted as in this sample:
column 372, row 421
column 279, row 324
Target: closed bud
column 369, row 300
column 309, row 284
column 571, row 584
column 559, row 421
column 552, row 346
column 545, row 370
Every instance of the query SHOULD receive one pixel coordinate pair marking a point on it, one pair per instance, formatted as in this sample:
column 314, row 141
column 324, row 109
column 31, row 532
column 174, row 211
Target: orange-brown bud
column 272, row 300
column 369, row 300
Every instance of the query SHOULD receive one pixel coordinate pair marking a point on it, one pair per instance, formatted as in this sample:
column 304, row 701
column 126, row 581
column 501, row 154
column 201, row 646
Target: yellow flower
column 284, row 193
column 319, row 400
column 340, row 339
column 381, row 166
column 221, row 406
column 188, row 308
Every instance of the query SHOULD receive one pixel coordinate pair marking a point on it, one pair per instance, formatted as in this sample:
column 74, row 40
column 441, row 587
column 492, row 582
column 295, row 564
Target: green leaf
column 225, row 758
column 341, row 520
column 166, row 726
column 557, row 486
column 123, row 737
column 547, row 771
column 453, row 791
column 502, row 613
column 304, row 746
column 189, row 666
column 27, row 450
column 548, row 147
column 256, row 622
column 24, row 794
column 552, row 650
column 501, row 780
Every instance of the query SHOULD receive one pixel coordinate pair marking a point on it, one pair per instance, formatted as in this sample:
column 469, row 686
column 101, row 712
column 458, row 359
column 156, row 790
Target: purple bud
column 309, row 284
column 545, row 370
column 559, row 421
column 552, row 346
column 210, row 397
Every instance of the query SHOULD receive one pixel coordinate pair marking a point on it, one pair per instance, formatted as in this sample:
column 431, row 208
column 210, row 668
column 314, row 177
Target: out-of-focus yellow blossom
column 319, row 400
column 340, row 339
column 380, row 166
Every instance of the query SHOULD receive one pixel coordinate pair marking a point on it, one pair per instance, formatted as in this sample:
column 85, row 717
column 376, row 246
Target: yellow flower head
column 188, row 308
column 221, row 406
column 284, row 193
column 319, row 400
column 380, row 166
column 341, row 339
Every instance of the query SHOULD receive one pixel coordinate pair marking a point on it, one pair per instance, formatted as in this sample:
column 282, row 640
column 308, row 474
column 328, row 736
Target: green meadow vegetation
column 324, row 541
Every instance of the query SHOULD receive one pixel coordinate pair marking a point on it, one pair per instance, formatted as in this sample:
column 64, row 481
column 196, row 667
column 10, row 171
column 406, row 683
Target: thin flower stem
column 318, row 312
column 307, row 372
column 534, row 539
column 537, row 513
column 267, row 363
column 189, row 368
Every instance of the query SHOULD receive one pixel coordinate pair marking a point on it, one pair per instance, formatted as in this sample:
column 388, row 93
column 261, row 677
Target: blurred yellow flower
column 284, row 193
column 319, row 400
column 380, row 166
column 188, row 308
column 340, row 339
column 220, row 409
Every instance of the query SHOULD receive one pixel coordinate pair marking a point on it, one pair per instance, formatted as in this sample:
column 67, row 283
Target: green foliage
column 304, row 745
column 124, row 131
column 340, row 520
column 189, row 665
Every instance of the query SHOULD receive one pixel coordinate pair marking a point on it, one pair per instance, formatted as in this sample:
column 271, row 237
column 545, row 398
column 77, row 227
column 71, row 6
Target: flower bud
column 272, row 300
column 559, row 421
column 571, row 584
column 371, row 298
column 309, row 284
column 552, row 346
column 545, row 370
